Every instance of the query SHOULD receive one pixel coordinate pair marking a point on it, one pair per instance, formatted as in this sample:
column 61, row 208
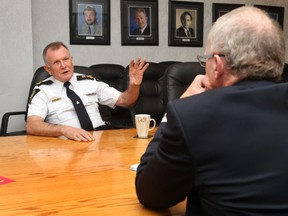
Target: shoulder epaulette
column 34, row 92
column 48, row 82
column 85, row 77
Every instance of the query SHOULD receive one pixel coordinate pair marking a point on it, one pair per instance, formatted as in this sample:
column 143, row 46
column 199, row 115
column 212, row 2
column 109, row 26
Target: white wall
column 16, row 57
column 27, row 26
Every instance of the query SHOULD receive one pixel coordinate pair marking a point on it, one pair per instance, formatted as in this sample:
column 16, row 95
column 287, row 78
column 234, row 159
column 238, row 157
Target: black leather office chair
column 166, row 64
column 39, row 75
column 150, row 99
column 178, row 77
column 114, row 75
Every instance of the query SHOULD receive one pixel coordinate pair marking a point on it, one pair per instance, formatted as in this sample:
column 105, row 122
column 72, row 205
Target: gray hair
column 140, row 10
column 253, row 43
column 54, row 46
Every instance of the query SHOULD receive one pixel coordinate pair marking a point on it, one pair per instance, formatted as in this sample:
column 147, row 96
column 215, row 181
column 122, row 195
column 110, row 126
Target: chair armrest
column 5, row 120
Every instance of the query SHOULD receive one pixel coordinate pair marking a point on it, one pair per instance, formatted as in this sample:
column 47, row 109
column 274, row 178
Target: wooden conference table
column 54, row 176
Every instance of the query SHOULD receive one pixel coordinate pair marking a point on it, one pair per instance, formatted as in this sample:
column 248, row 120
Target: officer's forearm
column 128, row 97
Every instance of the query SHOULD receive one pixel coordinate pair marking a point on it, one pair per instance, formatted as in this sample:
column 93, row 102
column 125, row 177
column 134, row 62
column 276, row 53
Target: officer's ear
column 48, row 69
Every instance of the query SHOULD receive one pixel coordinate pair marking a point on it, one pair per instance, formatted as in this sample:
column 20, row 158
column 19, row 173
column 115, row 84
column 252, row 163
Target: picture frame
column 178, row 35
column 95, row 28
column 145, row 10
column 275, row 12
column 219, row 9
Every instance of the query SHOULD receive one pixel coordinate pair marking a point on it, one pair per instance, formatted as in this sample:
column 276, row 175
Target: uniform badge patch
column 56, row 99
column 85, row 77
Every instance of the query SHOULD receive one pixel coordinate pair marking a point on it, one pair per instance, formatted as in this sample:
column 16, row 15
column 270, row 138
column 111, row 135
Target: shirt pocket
column 90, row 102
column 60, row 111
column 90, row 99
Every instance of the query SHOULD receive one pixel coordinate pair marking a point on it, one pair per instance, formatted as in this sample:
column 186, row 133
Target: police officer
column 52, row 113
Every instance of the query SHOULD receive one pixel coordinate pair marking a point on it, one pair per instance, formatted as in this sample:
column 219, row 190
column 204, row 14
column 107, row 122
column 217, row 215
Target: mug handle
column 154, row 124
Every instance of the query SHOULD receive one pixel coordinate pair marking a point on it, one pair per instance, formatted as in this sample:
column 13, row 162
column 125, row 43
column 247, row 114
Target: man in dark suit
column 185, row 30
column 223, row 145
column 142, row 21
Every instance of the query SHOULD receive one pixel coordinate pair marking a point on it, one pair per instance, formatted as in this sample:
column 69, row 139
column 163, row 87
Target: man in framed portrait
column 185, row 30
column 90, row 25
column 141, row 19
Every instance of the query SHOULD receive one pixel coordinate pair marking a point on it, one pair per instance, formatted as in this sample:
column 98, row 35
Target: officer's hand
column 77, row 134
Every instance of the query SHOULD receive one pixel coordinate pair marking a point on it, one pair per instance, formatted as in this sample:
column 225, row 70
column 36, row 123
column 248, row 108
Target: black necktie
column 80, row 109
column 188, row 34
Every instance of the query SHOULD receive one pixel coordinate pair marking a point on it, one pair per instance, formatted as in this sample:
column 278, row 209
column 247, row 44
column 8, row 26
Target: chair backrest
column 166, row 64
column 39, row 75
column 112, row 74
column 178, row 77
column 115, row 76
column 150, row 99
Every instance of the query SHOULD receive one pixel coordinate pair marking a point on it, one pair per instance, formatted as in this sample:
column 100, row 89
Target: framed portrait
column 139, row 22
column 89, row 22
column 219, row 9
column 185, row 23
column 276, row 13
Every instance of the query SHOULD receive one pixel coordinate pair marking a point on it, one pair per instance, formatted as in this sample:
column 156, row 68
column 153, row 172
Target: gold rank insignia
column 48, row 82
column 85, row 77
column 56, row 99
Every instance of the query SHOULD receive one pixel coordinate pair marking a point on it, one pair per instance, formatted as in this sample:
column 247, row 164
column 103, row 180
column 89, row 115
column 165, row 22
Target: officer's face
column 59, row 64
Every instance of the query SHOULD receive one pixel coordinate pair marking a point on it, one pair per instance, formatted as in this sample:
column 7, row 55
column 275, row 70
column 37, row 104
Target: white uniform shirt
column 52, row 104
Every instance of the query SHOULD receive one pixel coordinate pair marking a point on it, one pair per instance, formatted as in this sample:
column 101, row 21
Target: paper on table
column 134, row 167
column 4, row 180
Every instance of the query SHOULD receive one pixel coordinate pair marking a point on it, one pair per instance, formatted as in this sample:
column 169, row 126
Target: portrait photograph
column 139, row 22
column 185, row 25
column 90, row 19
column 89, row 22
column 140, row 19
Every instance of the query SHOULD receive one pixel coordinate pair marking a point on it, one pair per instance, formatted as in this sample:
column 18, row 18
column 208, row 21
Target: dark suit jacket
column 180, row 32
column 225, row 149
column 145, row 32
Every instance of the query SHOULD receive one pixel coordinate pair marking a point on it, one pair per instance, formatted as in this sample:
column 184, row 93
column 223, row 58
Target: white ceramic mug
column 142, row 122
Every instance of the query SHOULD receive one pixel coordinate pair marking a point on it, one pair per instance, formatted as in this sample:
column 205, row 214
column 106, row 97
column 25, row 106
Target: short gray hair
column 253, row 43
column 54, row 46
column 140, row 10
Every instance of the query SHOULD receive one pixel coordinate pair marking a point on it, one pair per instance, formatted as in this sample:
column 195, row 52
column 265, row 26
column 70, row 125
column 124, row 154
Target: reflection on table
column 54, row 176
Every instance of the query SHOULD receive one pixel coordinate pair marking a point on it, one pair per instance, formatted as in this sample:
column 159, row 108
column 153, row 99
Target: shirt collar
column 142, row 30
column 60, row 84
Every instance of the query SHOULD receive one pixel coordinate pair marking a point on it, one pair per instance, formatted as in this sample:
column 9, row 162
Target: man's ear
column 47, row 68
column 218, row 67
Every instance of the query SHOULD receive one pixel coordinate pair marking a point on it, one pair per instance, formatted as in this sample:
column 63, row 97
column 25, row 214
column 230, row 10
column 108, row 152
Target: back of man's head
column 253, row 43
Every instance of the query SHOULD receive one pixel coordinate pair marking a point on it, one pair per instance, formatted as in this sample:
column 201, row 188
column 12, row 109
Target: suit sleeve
column 165, row 175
